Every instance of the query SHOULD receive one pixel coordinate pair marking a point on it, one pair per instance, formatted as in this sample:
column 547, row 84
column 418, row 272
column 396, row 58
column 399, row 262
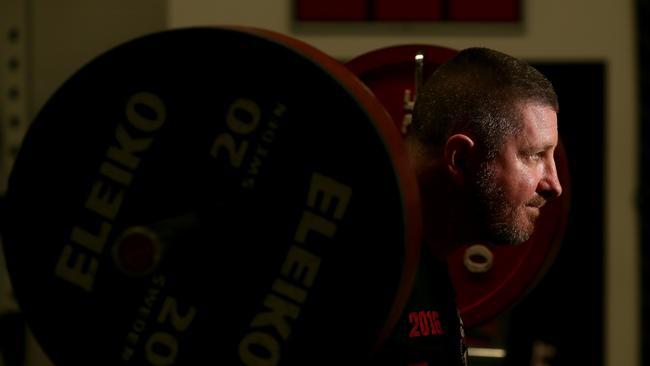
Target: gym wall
column 56, row 38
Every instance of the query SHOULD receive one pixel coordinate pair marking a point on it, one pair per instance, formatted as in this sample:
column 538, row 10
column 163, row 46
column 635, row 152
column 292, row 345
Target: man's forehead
column 539, row 126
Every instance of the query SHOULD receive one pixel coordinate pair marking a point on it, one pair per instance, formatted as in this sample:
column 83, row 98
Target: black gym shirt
column 430, row 331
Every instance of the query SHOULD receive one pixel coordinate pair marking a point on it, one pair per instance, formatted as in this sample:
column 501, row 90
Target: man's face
column 514, row 186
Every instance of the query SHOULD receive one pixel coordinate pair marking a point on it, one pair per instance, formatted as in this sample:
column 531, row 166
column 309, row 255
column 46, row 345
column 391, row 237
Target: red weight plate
column 195, row 195
column 389, row 72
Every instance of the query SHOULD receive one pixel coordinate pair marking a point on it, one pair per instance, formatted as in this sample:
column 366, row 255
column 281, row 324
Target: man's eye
column 536, row 156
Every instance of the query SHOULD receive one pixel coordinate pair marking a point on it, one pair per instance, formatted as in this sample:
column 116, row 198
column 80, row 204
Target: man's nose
column 550, row 184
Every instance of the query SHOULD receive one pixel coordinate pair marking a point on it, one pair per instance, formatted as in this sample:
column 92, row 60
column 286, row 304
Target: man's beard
column 501, row 221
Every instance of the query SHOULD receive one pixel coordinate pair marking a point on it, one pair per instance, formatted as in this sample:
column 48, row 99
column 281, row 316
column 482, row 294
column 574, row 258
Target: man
column 481, row 143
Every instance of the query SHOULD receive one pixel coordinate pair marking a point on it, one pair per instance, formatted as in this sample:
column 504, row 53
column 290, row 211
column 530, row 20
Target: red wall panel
column 408, row 9
column 482, row 10
column 332, row 9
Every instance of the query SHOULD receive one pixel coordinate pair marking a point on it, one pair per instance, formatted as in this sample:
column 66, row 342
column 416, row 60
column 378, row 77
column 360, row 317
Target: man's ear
column 457, row 153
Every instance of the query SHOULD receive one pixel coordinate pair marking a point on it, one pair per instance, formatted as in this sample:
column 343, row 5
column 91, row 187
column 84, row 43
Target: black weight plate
column 211, row 194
